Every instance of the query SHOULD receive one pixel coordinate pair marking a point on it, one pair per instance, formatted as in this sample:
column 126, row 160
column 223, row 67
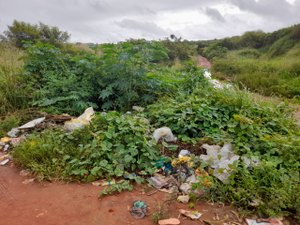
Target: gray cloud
column 214, row 14
column 117, row 20
column 145, row 27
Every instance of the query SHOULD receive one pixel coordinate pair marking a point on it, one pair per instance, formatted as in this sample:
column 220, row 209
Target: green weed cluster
column 114, row 144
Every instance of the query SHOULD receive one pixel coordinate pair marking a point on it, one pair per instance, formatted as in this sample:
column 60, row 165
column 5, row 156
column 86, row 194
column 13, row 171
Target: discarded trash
column 28, row 181
column 4, row 162
column 24, row 173
column 164, row 133
column 139, row 209
column 32, row 123
column 138, row 108
column 158, row 181
column 13, row 132
column 81, row 121
column 250, row 162
column 194, row 215
column 58, row 118
column 184, row 152
column 6, row 148
column 269, row 221
column 220, row 159
column 5, row 139
column 170, row 221
column 183, row 199
column 16, row 141
column 185, row 188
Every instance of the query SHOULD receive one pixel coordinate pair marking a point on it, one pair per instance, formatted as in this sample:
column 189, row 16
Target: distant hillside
column 268, row 63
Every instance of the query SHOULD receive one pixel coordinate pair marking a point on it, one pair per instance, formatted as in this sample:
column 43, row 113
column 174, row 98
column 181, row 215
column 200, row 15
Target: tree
column 20, row 32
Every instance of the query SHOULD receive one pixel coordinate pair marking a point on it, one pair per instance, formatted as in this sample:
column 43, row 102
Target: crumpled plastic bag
column 220, row 159
column 80, row 121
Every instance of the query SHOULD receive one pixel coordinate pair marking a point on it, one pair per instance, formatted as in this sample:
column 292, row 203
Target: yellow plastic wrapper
column 5, row 139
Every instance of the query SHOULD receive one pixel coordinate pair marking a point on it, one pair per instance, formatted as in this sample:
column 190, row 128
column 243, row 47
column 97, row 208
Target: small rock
column 170, row 221
column 183, row 199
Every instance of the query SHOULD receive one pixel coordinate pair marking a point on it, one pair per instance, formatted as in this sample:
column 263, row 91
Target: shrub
column 20, row 32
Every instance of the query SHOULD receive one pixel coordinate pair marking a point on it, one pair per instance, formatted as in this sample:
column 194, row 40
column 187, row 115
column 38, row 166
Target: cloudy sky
column 117, row 20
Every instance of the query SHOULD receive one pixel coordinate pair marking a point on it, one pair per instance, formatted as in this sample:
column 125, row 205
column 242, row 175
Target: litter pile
column 16, row 135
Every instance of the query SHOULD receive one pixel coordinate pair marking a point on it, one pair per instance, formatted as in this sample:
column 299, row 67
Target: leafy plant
column 113, row 145
column 123, row 185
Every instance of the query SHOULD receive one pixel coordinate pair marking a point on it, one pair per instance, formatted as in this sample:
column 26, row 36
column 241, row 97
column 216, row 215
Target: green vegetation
column 255, row 128
column 267, row 63
column 20, row 32
column 160, row 75
column 112, row 145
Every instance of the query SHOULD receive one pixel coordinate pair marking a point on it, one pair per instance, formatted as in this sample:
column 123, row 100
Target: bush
column 20, row 32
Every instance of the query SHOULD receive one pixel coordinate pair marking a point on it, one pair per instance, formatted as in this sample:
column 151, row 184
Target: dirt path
column 203, row 62
column 75, row 204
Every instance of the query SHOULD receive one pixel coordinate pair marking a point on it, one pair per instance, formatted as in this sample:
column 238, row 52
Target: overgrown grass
column 277, row 76
column 13, row 95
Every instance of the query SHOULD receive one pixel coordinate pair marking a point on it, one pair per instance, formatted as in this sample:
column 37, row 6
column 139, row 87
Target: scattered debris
column 183, row 152
column 170, row 221
column 158, row 181
column 220, row 159
column 185, row 188
column 58, row 118
column 4, row 162
column 25, row 173
column 104, row 182
column 28, row 181
column 5, row 139
column 183, row 199
column 269, row 221
column 81, row 121
column 32, row 123
column 194, row 215
column 164, row 133
column 13, row 132
column 138, row 108
column 139, row 209
column 250, row 162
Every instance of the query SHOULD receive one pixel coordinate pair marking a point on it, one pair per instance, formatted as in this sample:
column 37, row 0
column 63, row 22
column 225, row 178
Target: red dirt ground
column 75, row 204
